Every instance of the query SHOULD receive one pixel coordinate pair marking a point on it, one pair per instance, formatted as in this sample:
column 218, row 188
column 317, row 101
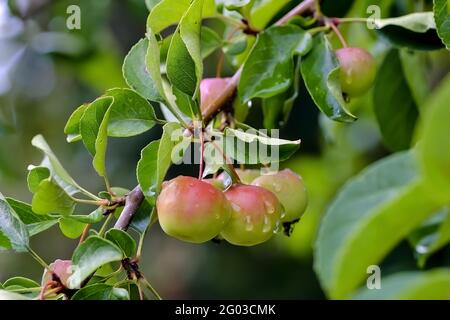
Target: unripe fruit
column 61, row 268
column 255, row 215
column 192, row 210
column 358, row 70
column 290, row 191
column 210, row 88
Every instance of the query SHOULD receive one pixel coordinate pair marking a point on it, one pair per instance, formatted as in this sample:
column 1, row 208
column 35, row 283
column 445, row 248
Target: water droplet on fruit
column 248, row 223
column 269, row 207
column 276, row 186
column 277, row 228
column 236, row 207
column 267, row 225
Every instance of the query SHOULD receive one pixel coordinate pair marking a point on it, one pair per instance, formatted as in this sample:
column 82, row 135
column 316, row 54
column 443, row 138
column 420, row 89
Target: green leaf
column 35, row 223
column 51, row 198
column 92, row 120
column 415, row 69
column 71, row 228
column 156, row 159
column 13, row 232
column 139, row 76
column 184, row 59
column 20, row 282
column 144, row 216
column 210, row 42
column 93, row 217
column 6, row 295
column 394, row 105
column 101, row 291
column 130, row 115
column 430, row 285
column 153, row 64
column 442, row 17
column 414, row 31
column 434, row 147
column 387, row 196
column 253, row 147
column 101, row 144
column 277, row 109
column 432, row 235
column 35, row 176
column 58, row 173
column 93, row 253
column 268, row 69
column 72, row 128
column 417, row 22
column 265, row 10
column 123, row 240
column 321, row 72
column 166, row 13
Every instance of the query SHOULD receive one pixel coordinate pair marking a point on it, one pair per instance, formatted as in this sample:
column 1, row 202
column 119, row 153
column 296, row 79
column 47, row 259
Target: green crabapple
column 358, row 70
column 192, row 210
column 255, row 215
column 290, row 191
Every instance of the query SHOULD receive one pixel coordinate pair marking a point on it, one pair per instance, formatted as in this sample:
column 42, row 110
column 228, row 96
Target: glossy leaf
column 210, row 42
column 387, row 196
column 101, row 291
column 432, row 236
column 277, row 109
column 156, row 159
column 442, row 17
column 51, row 198
column 35, row 176
column 430, row 285
column 320, row 70
column 394, row 105
column 35, row 223
column 13, row 232
column 153, row 64
column 101, row 143
column 122, row 240
column 417, row 22
column 184, row 60
column 166, row 13
column 91, row 121
column 137, row 75
column 7, row 295
column 268, row 69
column 58, row 173
column 20, row 282
column 144, row 217
column 93, row 253
column 94, row 217
column 256, row 148
column 72, row 128
column 71, row 228
column 434, row 147
column 130, row 115
column 414, row 31
column 265, row 10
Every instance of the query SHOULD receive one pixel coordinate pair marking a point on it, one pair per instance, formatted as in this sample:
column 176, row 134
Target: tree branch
column 134, row 199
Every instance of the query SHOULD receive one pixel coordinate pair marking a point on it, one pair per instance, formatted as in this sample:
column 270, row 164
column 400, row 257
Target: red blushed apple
column 192, row 210
column 255, row 215
column 210, row 88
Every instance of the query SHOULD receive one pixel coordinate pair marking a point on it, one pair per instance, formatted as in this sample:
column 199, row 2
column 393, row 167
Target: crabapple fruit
column 210, row 88
column 290, row 191
column 358, row 70
column 192, row 210
column 61, row 268
column 255, row 215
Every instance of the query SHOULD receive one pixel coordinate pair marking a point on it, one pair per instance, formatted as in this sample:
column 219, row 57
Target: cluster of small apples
column 245, row 214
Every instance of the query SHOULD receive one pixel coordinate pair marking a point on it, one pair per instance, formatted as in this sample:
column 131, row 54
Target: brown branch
column 134, row 199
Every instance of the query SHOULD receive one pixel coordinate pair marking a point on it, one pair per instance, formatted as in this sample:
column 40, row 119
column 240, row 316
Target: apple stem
column 338, row 33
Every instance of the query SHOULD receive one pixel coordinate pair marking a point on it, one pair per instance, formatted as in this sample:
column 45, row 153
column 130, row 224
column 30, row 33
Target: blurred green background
column 46, row 71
